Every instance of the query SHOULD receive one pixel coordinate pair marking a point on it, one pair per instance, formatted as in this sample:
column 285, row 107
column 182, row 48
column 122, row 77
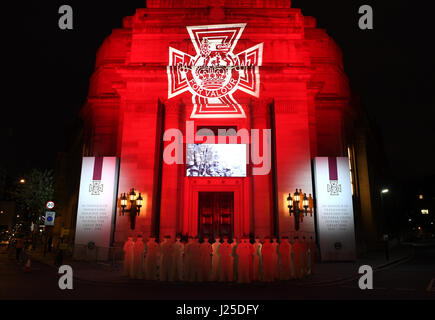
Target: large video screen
column 216, row 160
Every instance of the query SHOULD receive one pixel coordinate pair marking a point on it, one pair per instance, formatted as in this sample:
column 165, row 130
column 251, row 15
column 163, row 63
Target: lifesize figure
column 139, row 248
column 267, row 253
column 177, row 265
column 215, row 262
column 226, row 267
column 152, row 253
column 205, row 256
column 275, row 258
column 284, row 252
column 244, row 253
column 129, row 257
column 167, row 255
column 257, row 260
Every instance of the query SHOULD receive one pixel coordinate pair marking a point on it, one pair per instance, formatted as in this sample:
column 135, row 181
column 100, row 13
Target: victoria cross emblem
column 334, row 188
column 95, row 188
column 215, row 72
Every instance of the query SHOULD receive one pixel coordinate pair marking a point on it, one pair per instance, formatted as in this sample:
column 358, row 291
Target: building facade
column 249, row 70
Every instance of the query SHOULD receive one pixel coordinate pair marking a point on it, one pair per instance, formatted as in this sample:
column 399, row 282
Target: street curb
column 380, row 267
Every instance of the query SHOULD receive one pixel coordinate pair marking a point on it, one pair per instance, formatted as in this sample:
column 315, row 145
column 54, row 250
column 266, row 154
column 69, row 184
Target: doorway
column 216, row 214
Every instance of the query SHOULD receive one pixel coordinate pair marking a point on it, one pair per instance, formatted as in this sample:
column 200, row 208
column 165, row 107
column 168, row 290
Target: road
column 410, row 280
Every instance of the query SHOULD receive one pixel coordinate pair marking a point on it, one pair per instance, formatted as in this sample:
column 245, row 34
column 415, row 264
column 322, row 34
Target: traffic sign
column 50, row 205
column 49, row 218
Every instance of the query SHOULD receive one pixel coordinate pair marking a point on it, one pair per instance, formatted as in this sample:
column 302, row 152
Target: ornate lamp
column 135, row 205
column 294, row 206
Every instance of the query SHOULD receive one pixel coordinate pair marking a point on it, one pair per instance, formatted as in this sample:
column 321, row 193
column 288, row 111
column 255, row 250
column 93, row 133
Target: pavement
column 326, row 273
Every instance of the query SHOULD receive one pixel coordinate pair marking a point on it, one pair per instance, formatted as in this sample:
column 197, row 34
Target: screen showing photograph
column 216, row 160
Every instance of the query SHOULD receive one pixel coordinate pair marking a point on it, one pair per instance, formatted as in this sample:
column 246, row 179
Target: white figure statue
column 129, row 257
column 257, row 260
column 167, row 255
column 177, row 266
column 275, row 259
column 226, row 259
column 195, row 260
column 139, row 248
column 244, row 254
column 215, row 259
column 235, row 261
column 267, row 254
column 152, row 252
column 205, row 254
column 188, row 259
column 284, row 252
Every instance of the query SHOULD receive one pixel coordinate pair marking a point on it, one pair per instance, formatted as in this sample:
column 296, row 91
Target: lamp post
column 135, row 205
column 385, row 218
column 294, row 206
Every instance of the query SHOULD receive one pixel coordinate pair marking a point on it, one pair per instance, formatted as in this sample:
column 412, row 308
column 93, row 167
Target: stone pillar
column 261, row 187
column 170, row 196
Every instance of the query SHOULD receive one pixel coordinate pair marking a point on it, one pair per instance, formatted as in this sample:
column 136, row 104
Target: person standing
column 188, row 260
column 267, row 254
column 195, row 261
column 128, row 257
column 244, row 253
column 257, row 260
column 297, row 259
column 226, row 267
column 275, row 259
column 215, row 262
column 235, row 259
column 177, row 266
column 284, row 252
column 152, row 250
column 19, row 245
column 139, row 248
column 205, row 252
column 166, row 250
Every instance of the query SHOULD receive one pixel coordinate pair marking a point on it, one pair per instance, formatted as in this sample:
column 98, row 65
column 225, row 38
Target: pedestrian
column 19, row 245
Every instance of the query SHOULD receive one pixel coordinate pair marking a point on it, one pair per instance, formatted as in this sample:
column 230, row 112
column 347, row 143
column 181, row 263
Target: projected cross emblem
column 215, row 73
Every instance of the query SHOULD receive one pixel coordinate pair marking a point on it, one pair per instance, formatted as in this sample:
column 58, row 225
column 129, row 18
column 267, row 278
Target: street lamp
column 135, row 205
column 294, row 202
column 22, row 181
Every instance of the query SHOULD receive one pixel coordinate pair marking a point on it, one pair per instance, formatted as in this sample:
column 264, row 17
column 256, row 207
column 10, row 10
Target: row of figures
column 219, row 261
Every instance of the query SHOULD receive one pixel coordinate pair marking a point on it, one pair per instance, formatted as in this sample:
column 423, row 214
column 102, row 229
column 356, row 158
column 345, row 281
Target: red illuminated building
column 239, row 64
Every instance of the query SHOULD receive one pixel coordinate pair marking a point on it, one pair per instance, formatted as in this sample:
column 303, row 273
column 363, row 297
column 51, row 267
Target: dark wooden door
column 216, row 214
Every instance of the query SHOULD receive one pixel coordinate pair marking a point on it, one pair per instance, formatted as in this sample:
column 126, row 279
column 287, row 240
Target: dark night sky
column 390, row 67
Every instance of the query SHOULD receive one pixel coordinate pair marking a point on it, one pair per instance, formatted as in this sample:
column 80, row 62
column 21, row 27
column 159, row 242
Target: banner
column 97, row 207
column 335, row 221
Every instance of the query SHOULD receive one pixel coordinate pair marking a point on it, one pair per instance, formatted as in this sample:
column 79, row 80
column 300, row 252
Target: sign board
column 64, row 232
column 97, row 204
column 335, row 221
column 49, row 218
column 50, row 205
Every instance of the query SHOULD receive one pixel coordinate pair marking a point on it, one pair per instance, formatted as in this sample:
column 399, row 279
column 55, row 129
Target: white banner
column 97, row 207
column 335, row 221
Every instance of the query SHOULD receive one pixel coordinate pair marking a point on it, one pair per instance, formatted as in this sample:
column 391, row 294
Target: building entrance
column 216, row 214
